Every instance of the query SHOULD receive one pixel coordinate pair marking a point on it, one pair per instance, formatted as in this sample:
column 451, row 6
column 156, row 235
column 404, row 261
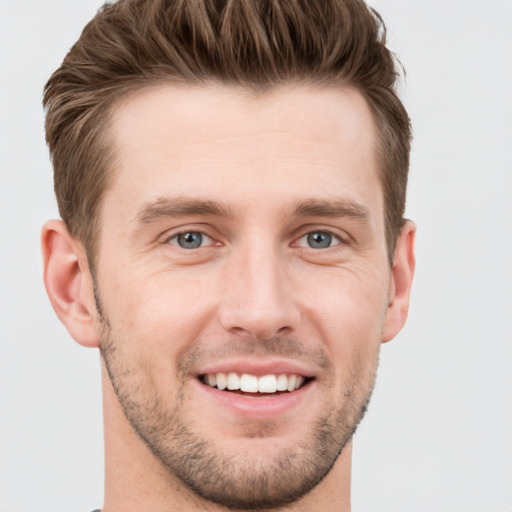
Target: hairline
column 256, row 91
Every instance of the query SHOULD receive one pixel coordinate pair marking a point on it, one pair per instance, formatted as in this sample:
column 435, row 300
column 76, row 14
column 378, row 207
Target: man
column 231, row 178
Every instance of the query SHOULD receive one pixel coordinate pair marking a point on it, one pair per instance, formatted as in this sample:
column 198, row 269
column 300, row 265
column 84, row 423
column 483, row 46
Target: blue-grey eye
column 189, row 240
column 319, row 240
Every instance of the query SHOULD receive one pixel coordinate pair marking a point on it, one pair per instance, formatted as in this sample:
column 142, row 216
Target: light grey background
column 438, row 435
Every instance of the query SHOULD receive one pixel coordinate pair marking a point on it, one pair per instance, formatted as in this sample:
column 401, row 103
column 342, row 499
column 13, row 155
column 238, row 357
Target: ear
column 401, row 282
column 69, row 283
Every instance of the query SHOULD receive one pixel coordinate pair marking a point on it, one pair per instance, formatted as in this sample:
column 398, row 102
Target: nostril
column 260, row 332
column 240, row 331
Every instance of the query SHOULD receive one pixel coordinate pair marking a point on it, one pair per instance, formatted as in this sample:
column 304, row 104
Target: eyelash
column 203, row 235
column 334, row 239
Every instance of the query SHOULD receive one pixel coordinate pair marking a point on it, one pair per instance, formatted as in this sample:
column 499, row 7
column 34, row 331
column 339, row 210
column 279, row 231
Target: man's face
column 243, row 236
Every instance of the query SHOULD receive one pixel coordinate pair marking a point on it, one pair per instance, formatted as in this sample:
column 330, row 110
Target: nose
column 258, row 299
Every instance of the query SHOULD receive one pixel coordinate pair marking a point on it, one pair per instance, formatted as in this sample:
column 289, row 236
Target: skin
column 255, row 175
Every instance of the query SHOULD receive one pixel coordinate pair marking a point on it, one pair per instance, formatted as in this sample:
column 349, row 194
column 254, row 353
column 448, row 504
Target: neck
column 136, row 481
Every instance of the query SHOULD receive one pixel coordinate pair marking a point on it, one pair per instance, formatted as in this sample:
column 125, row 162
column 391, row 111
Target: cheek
column 348, row 313
column 155, row 319
column 349, row 301
column 158, row 299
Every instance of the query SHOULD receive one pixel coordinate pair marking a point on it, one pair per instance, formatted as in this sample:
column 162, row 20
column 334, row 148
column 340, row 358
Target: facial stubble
column 218, row 475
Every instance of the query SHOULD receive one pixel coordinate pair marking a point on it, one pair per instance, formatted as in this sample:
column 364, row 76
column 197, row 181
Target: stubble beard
column 233, row 480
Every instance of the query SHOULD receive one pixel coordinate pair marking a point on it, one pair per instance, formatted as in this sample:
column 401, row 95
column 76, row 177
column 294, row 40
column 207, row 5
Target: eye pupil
column 319, row 240
column 190, row 240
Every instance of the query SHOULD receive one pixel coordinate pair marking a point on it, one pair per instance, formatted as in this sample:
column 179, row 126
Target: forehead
column 228, row 144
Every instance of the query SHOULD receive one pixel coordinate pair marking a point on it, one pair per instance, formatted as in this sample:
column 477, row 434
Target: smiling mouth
column 247, row 383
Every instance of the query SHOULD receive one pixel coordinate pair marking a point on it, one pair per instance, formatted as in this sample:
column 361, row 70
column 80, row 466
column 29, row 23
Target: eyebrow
column 181, row 207
column 333, row 208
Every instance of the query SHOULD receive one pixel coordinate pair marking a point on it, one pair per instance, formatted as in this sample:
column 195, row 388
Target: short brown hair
column 257, row 44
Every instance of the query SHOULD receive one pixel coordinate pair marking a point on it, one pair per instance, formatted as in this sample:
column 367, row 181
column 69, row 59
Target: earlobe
column 68, row 283
column 401, row 282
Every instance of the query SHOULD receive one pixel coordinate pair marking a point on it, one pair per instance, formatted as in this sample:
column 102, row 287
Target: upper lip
column 256, row 367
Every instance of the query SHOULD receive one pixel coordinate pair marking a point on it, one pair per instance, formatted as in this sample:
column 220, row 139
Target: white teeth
column 267, row 384
column 221, row 381
column 252, row 384
column 292, row 380
column 249, row 383
column 233, row 381
column 282, row 383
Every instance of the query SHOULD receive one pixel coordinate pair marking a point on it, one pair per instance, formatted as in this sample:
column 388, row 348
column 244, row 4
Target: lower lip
column 257, row 407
